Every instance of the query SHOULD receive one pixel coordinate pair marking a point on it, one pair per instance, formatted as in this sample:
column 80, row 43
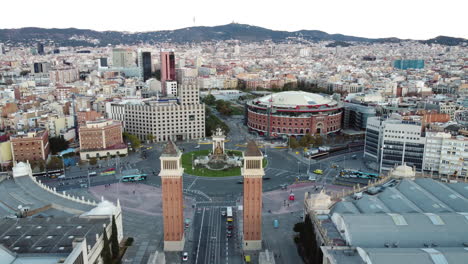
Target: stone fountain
column 218, row 158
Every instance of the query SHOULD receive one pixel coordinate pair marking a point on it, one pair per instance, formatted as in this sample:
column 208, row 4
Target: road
column 210, row 243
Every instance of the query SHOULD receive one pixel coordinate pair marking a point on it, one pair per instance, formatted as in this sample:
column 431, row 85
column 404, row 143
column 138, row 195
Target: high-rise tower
column 144, row 63
column 173, row 210
column 168, row 71
column 252, row 172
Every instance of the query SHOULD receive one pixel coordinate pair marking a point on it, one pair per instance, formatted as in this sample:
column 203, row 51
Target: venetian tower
column 252, row 171
column 172, row 198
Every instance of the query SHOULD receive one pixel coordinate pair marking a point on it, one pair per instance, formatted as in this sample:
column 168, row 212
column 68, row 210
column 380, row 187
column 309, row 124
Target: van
column 84, row 185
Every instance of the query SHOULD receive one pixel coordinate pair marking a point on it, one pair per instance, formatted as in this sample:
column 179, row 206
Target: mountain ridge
column 243, row 32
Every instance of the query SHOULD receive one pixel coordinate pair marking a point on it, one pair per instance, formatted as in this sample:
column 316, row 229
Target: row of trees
column 306, row 241
column 306, row 141
column 212, row 122
column 111, row 249
column 57, row 144
column 134, row 140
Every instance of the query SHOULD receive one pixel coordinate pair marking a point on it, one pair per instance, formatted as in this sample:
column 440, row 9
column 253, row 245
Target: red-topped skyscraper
column 168, row 71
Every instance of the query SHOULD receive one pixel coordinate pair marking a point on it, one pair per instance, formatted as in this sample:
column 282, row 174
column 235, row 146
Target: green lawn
column 187, row 164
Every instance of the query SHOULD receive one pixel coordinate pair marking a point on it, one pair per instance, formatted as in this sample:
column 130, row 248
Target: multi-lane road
column 211, row 243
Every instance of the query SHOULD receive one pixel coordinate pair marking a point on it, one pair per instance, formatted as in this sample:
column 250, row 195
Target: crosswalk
column 273, row 172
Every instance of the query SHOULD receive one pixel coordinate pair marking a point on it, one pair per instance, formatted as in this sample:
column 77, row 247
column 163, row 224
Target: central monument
column 218, row 145
column 172, row 197
column 253, row 172
column 218, row 159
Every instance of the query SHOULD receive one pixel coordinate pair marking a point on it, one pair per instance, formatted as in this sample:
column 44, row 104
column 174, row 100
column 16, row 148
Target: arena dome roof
column 293, row 98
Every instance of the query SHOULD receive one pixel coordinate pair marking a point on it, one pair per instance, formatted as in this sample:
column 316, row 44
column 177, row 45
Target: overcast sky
column 416, row 19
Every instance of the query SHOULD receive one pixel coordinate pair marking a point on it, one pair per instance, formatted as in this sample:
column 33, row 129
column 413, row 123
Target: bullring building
column 294, row 113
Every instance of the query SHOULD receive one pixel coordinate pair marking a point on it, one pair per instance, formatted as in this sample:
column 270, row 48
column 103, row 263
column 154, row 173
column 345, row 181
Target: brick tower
column 172, row 199
column 253, row 173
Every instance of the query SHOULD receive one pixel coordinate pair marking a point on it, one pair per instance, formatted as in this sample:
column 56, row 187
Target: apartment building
column 175, row 118
column 32, row 145
column 445, row 154
column 101, row 138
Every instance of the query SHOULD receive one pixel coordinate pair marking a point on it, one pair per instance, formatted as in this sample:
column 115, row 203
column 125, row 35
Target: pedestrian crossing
column 273, row 172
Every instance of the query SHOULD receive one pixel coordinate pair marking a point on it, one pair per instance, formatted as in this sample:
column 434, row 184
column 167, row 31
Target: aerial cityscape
column 232, row 143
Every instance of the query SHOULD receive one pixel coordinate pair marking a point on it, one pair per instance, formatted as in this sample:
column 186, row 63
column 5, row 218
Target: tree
column 150, row 137
column 114, row 239
column 106, row 253
column 209, row 99
column 93, row 161
column 304, row 142
column 134, row 140
column 54, row 163
column 57, row 144
column 293, row 142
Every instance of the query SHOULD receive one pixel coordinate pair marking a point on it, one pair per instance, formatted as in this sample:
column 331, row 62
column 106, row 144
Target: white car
column 185, row 256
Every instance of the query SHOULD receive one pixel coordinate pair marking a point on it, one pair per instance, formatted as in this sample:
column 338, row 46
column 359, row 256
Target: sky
column 415, row 19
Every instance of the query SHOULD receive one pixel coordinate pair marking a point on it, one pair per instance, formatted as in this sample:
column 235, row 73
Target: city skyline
column 406, row 20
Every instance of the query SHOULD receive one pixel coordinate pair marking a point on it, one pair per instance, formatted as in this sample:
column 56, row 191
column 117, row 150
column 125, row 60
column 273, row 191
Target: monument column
column 252, row 171
column 172, row 197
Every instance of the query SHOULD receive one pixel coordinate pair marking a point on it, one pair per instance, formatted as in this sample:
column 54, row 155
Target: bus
column 358, row 174
column 229, row 214
column 133, row 178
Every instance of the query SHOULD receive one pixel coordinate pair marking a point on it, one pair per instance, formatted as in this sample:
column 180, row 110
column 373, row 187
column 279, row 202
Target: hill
column 233, row 31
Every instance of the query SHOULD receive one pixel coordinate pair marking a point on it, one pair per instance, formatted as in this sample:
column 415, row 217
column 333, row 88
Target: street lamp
column 192, row 163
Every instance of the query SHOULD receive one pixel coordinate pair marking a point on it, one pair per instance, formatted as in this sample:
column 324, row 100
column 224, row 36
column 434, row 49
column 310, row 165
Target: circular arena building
column 294, row 113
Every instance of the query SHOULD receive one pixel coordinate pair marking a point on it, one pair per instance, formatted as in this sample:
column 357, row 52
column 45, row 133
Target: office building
column 166, row 118
column 445, row 155
column 408, row 64
column 144, row 63
column 356, row 115
column 101, row 138
column 40, row 67
column 30, row 146
column 172, row 197
column 171, row 88
column 2, row 48
column 40, row 49
column 168, row 71
column 102, row 63
column 123, row 58
column 391, row 142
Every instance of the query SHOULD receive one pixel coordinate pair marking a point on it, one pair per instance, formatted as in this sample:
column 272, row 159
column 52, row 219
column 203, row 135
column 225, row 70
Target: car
column 240, row 182
column 197, row 146
column 223, row 213
column 187, row 225
column 266, row 178
column 318, row 171
column 284, row 186
column 229, row 234
column 185, row 256
column 230, row 227
column 61, row 176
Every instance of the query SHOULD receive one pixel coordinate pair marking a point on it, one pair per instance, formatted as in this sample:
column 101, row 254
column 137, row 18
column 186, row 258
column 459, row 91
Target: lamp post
column 192, row 163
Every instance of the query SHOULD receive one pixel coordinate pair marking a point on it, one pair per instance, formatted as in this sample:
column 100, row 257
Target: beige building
column 174, row 118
